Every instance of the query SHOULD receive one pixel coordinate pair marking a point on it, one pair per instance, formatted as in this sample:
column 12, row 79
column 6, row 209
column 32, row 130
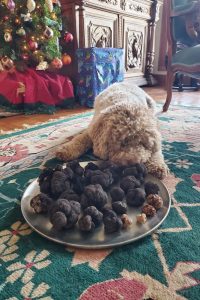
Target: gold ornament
column 21, row 31
column 53, row 16
column 7, row 63
column 7, row 36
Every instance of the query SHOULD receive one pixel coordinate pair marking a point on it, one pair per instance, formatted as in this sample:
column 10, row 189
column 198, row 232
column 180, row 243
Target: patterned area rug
column 165, row 265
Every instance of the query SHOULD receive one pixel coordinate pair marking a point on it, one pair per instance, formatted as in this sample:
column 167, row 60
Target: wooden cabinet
column 127, row 24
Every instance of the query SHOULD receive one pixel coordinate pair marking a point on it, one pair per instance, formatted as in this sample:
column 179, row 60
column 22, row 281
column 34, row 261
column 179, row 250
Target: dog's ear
column 150, row 103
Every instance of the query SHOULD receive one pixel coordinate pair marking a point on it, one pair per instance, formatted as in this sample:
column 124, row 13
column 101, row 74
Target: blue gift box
column 97, row 69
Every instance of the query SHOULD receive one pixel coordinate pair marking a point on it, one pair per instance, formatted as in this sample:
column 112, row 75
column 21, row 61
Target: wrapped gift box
column 97, row 69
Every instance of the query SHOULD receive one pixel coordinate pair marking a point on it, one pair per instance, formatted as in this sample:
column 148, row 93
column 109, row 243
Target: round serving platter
column 97, row 239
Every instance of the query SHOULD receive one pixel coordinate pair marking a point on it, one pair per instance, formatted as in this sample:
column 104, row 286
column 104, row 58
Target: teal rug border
column 47, row 124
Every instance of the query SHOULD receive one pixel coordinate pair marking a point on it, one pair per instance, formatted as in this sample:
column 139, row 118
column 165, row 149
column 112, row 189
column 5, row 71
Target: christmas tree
column 29, row 34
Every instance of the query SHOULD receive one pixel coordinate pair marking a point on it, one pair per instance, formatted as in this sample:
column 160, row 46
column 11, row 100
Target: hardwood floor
column 19, row 122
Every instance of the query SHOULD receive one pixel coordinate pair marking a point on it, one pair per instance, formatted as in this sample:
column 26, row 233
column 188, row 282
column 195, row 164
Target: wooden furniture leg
column 170, row 78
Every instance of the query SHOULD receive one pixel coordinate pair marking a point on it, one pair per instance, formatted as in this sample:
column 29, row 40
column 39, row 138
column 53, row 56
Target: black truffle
column 61, row 205
column 79, row 184
column 76, row 167
column 97, row 216
column 91, row 166
column 94, row 195
column 131, row 171
column 103, row 178
column 58, row 167
column 86, row 224
column 71, row 220
column 112, row 224
column 45, row 180
column 58, row 183
column 59, row 220
column 151, row 188
column 68, row 173
column 117, row 194
column 115, row 170
column 129, row 182
column 46, row 174
column 70, row 195
column 108, row 212
column 135, row 197
column 141, row 169
column 41, row 203
column 76, row 207
column 119, row 207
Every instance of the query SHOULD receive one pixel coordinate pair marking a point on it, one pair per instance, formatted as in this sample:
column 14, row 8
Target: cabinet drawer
column 100, row 29
column 134, row 43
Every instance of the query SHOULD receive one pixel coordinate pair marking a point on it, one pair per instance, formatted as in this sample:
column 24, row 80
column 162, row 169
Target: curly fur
column 124, row 129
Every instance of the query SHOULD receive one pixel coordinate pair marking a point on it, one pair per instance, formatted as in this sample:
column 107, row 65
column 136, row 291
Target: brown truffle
column 155, row 200
column 148, row 210
column 142, row 218
column 126, row 221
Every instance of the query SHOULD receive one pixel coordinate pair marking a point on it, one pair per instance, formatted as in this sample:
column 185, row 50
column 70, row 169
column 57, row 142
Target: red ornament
column 5, row 18
column 68, row 37
column 25, row 56
column 57, row 63
column 66, row 59
column 32, row 45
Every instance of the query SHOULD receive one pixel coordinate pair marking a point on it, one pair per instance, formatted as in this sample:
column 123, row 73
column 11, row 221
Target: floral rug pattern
column 165, row 265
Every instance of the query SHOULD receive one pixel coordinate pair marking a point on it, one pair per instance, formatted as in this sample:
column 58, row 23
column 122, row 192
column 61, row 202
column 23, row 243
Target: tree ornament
column 5, row 18
column 68, row 37
column 50, row 22
column 43, row 65
column 33, row 45
column 21, row 31
column 25, row 56
column 7, row 36
column 48, row 33
column 1, row 67
column 31, row 5
column 11, row 5
column 66, row 59
column 7, row 63
column 49, row 5
column 27, row 17
column 53, row 16
column 56, row 63
column 17, row 21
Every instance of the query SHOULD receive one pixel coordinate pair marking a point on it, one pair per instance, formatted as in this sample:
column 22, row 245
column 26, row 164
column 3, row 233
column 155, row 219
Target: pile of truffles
column 97, row 194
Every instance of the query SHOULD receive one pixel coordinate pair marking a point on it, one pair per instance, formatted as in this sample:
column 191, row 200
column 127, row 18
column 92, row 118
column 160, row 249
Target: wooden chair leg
column 170, row 78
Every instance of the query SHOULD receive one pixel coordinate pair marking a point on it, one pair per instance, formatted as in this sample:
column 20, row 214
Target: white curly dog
column 124, row 130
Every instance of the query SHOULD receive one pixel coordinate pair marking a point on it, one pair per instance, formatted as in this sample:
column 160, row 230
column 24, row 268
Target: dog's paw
column 63, row 154
column 160, row 171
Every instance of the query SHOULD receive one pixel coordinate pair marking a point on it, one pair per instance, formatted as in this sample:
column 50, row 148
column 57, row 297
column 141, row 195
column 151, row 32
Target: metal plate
column 96, row 240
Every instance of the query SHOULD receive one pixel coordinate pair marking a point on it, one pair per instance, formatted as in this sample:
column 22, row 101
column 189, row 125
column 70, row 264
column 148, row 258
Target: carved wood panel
column 134, row 49
column 99, row 36
column 101, row 29
column 135, row 39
